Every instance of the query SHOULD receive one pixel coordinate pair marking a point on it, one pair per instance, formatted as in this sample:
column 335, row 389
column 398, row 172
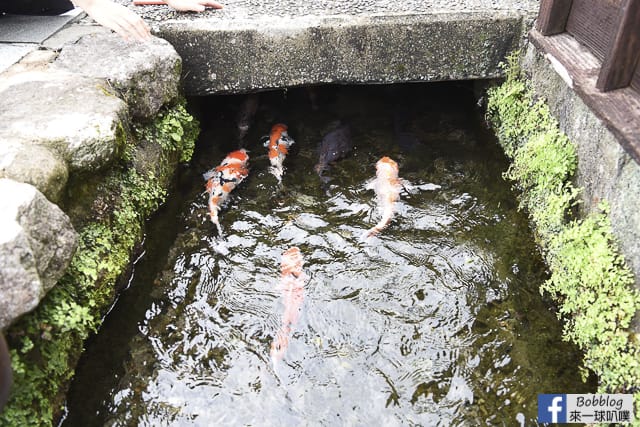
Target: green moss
column 590, row 282
column 594, row 287
column 513, row 111
column 541, row 167
column 47, row 343
column 175, row 129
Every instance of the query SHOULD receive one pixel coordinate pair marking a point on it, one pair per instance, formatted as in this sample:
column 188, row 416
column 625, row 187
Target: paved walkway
column 236, row 10
column 21, row 34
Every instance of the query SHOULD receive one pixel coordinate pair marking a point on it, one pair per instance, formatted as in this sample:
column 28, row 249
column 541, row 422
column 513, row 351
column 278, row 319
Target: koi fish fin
column 407, row 187
column 287, row 140
column 428, row 187
column 324, row 179
column 371, row 184
column 209, row 174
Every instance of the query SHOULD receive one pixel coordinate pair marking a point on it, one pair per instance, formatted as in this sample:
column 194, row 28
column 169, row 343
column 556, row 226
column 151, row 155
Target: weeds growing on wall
column 589, row 279
column 174, row 130
column 47, row 343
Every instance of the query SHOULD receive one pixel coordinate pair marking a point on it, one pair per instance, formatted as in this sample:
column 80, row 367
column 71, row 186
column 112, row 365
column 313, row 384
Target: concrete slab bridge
column 253, row 45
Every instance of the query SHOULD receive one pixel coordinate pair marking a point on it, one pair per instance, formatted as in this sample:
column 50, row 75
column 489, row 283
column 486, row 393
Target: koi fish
column 405, row 139
column 246, row 113
column 387, row 186
column 292, row 280
column 279, row 144
column 222, row 179
column 5, row 372
column 334, row 146
column 313, row 98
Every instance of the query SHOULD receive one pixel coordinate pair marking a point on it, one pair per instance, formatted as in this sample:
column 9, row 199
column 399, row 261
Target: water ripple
column 435, row 321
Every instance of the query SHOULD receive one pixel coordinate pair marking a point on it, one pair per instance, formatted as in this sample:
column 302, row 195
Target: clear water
column 438, row 321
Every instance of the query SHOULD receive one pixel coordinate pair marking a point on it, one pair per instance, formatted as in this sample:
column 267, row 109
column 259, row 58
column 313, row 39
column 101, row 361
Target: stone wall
column 88, row 148
column 63, row 115
column 605, row 170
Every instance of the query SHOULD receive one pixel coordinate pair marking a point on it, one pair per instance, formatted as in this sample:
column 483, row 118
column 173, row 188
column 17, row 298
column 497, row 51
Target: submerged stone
column 37, row 242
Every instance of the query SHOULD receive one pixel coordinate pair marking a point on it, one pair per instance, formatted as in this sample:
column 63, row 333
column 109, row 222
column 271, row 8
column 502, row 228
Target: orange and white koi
column 222, row 179
column 278, row 144
column 387, row 186
column 292, row 281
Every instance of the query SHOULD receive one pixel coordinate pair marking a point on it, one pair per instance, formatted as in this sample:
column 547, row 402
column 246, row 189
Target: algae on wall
column 591, row 284
column 46, row 344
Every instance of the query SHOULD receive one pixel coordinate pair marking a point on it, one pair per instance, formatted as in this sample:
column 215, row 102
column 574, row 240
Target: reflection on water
column 437, row 321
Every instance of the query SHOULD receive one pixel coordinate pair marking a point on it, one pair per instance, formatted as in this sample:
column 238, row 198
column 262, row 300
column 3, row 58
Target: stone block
column 266, row 53
column 77, row 117
column 145, row 75
column 37, row 242
column 36, row 165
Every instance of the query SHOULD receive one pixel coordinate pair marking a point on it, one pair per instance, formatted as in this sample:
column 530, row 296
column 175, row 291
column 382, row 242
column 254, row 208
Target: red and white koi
column 387, row 186
column 278, row 144
column 292, row 281
column 222, row 179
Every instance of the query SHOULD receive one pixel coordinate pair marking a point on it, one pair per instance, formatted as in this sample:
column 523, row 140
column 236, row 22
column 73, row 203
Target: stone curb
column 66, row 114
column 37, row 242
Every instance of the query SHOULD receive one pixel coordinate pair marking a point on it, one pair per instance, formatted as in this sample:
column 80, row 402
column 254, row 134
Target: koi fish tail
column 218, row 227
column 376, row 229
column 280, row 344
column 324, row 179
column 215, row 219
column 384, row 222
column 277, row 170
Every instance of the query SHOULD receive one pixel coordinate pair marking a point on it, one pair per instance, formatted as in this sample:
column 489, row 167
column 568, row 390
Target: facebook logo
column 552, row 408
column 585, row 408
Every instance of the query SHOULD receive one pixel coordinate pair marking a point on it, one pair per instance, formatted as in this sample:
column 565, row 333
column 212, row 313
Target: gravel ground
column 242, row 9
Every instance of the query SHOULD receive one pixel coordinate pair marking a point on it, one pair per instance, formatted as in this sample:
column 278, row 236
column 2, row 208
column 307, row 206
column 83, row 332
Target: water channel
column 436, row 321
